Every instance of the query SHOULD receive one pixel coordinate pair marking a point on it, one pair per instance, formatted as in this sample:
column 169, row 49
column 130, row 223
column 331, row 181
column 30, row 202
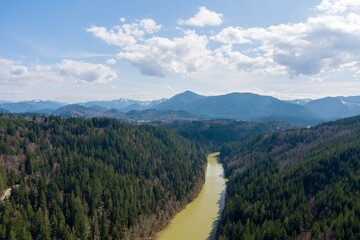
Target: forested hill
column 213, row 134
column 93, row 179
column 297, row 184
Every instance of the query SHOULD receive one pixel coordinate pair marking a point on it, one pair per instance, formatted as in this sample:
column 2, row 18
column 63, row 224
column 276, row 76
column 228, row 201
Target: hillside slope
column 240, row 106
column 335, row 107
column 297, row 184
column 96, row 179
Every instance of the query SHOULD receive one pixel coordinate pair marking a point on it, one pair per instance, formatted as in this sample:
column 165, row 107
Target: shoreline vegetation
column 295, row 184
column 93, row 178
column 199, row 219
column 73, row 178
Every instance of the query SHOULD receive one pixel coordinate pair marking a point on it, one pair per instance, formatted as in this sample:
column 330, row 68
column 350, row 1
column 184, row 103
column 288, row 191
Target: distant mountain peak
column 180, row 99
column 188, row 94
column 235, row 105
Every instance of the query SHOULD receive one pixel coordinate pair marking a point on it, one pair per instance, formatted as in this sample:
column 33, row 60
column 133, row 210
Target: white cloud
column 149, row 25
column 69, row 71
column 231, row 35
column 11, row 69
column 110, row 61
column 159, row 56
column 112, row 36
column 203, row 17
column 338, row 6
column 326, row 42
column 228, row 58
column 86, row 72
column 329, row 41
column 125, row 34
column 13, row 72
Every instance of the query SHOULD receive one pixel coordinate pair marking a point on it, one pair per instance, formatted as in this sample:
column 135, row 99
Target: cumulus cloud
column 69, row 71
column 159, row 56
column 203, row 17
column 326, row 42
column 86, row 72
column 125, row 34
column 149, row 25
column 14, row 72
column 228, row 58
column 338, row 6
column 110, row 61
column 11, row 69
column 231, row 35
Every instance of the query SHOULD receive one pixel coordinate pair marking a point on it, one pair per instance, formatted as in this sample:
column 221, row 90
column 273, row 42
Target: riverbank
column 198, row 220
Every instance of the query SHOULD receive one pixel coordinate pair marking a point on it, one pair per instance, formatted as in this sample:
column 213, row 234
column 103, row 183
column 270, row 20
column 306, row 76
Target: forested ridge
column 93, row 179
column 296, row 184
column 213, row 134
column 101, row 179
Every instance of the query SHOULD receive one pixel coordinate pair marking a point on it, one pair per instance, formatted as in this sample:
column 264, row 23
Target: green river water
column 198, row 220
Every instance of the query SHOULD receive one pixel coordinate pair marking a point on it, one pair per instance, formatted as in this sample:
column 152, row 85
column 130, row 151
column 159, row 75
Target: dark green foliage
column 2, row 179
column 93, row 179
column 302, row 183
column 214, row 133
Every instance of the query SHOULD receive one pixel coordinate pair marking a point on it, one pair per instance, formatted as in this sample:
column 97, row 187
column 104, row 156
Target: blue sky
column 95, row 50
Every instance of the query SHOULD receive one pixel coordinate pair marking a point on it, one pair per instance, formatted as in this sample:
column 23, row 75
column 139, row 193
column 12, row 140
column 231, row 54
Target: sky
column 81, row 50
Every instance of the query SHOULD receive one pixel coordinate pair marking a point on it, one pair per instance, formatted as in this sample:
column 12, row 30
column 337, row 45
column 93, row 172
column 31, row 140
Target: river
column 198, row 220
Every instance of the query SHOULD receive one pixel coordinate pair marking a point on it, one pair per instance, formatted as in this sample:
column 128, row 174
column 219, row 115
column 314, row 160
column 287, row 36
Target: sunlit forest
column 297, row 184
column 93, row 179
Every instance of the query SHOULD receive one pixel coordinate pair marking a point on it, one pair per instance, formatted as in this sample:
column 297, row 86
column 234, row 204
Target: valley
column 180, row 120
column 199, row 219
column 100, row 178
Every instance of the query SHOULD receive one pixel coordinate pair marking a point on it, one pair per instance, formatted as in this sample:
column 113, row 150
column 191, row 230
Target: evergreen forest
column 93, row 179
column 296, row 184
column 99, row 178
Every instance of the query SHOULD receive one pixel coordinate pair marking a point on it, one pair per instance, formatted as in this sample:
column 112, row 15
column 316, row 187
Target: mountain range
column 123, row 105
column 189, row 105
column 30, row 106
column 240, row 106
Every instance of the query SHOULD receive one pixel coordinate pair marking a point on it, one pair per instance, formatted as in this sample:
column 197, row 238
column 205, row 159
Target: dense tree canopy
column 102, row 179
column 93, row 179
column 212, row 134
column 302, row 183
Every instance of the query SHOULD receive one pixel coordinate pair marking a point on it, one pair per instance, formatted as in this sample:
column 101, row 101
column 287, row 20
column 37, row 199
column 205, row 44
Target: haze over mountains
column 189, row 106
